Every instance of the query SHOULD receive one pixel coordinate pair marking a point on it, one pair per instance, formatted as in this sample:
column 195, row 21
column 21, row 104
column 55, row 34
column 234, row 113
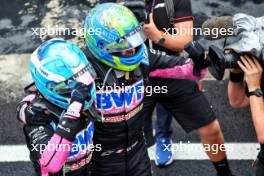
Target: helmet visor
column 65, row 88
column 129, row 41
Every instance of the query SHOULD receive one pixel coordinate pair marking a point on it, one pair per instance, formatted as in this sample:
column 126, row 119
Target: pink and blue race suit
column 50, row 153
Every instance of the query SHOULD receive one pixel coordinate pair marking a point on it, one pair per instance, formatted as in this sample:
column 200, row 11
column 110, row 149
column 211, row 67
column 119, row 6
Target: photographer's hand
column 253, row 71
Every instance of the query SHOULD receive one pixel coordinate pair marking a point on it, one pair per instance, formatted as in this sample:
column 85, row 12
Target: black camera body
column 217, row 60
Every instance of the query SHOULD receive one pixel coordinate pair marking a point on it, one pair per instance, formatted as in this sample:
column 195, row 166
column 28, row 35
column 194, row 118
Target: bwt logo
column 122, row 99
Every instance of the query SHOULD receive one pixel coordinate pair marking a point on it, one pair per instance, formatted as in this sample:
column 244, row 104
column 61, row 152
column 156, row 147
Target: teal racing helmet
column 111, row 28
column 55, row 67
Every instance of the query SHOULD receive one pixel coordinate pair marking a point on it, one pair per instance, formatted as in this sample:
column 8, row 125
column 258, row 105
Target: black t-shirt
column 183, row 12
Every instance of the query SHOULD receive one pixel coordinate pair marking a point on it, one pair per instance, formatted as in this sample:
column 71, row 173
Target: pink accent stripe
column 90, row 79
column 74, row 110
column 178, row 72
column 86, row 78
column 29, row 98
column 54, row 155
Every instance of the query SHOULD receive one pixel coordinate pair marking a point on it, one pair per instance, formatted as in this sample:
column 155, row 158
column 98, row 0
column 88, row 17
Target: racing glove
column 70, row 123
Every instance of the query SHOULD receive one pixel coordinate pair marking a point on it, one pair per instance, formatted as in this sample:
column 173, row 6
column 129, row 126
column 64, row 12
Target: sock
column 222, row 168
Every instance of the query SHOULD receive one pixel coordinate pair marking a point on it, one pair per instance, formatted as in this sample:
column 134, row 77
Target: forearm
column 236, row 94
column 55, row 154
column 178, row 72
column 176, row 42
column 46, row 147
column 57, row 147
column 257, row 111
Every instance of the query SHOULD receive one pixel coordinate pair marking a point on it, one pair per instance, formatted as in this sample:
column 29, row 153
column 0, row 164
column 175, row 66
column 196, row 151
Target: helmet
column 55, row 67
column 111, row 28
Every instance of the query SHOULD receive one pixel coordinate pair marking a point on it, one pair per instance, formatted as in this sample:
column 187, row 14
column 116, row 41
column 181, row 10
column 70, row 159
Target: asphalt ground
column 17, row 17
column 178, row 168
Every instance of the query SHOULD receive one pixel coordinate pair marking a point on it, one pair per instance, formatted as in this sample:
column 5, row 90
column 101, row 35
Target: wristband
column 161, row 39
column 68, row 128
column 236, row 77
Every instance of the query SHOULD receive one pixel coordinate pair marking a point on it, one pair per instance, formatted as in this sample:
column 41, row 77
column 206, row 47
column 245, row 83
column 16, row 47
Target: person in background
column 171, row 42
column 245, row 88
column 184, row 94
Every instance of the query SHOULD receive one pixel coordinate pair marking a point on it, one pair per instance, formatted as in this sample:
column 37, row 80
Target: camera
column 246, row 38
column 217, row 59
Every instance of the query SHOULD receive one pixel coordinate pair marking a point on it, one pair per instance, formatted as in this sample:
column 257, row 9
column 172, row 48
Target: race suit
column 70, row 157
column 124, row 152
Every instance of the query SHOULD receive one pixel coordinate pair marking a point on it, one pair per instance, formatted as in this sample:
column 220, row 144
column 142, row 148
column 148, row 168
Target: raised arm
column 253, row 76
column 237, row 89
column 50, row 145
column 177, row 67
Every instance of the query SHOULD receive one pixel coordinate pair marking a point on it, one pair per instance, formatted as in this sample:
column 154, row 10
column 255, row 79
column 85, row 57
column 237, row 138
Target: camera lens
column 216, row 58
column 231, row 60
